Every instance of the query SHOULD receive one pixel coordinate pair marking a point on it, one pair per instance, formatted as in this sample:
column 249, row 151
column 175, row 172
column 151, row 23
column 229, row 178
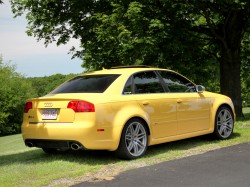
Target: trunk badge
column 48, row 104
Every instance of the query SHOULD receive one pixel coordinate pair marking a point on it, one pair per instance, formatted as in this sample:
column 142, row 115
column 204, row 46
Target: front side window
column 177, row 83
column 87, row 84
column 147, row 82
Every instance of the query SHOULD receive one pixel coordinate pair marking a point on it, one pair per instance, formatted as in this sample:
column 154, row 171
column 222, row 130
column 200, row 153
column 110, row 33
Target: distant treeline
column 44, row 85
column 15, row 89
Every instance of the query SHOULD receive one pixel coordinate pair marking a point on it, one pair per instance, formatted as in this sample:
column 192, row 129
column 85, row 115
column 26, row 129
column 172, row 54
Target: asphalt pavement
column 226, row 167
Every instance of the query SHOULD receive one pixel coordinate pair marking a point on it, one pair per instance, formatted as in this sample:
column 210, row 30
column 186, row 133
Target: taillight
column 81, row 106
column 28, row 106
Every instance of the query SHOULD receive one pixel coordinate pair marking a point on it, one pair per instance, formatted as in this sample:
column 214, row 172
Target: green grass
column 22, row 166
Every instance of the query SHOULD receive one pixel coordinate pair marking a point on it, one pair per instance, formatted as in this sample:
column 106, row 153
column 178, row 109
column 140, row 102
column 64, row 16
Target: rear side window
column 147, row 82
column 87, row 84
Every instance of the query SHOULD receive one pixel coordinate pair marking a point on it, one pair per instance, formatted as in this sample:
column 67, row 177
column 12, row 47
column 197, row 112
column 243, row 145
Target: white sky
column 32, row 58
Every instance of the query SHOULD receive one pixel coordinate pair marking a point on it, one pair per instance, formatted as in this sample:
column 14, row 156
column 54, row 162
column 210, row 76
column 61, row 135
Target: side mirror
column 200, row 88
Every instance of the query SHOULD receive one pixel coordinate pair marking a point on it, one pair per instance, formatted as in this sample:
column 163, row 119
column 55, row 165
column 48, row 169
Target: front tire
column 224, row 123
column 134, row 140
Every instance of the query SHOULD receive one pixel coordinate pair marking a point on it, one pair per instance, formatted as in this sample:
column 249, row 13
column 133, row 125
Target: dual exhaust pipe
column 29, row 144
column 73, row 146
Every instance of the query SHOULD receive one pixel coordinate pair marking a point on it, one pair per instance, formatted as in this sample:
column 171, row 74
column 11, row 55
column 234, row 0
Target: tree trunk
column 230, row 36
column 230, row 83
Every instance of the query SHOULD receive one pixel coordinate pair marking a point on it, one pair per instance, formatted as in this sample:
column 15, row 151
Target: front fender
column 219, row 100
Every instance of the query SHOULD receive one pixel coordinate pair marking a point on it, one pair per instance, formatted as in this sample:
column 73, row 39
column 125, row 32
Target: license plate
column 49, row 114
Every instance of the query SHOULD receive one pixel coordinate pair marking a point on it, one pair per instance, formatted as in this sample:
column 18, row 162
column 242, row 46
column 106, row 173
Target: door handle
column 179, row 101
column 145, row 103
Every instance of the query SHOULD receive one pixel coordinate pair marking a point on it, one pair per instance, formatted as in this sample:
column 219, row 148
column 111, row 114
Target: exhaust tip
column 75, row 146
column 29, row 144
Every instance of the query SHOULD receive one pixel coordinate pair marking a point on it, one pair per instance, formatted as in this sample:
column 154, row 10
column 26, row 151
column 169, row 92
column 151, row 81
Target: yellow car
column 125, row 109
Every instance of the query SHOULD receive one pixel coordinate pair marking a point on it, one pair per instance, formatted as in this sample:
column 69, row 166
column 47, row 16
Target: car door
column 193, row 109
column 152, row 97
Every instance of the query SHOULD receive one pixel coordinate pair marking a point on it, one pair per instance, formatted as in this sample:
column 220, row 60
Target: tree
column 186, row 35
column 245, row 78
column 14, row 91
column 225, row 23
column 44, row 85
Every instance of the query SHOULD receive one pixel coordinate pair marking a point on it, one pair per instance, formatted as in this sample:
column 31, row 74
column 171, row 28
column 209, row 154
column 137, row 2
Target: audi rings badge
column 48, row 105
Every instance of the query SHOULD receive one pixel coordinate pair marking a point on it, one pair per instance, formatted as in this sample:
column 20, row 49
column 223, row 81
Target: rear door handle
column 145, row 103
column 179, row 101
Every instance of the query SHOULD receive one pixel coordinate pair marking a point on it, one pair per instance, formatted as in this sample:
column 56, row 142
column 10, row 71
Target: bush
column 14, row 92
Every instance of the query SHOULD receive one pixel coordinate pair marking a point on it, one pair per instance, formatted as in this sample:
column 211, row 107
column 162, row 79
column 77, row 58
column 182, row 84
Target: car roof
column 124, row 70
column 125, row 73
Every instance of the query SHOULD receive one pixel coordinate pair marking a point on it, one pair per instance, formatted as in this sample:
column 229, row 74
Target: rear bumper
column 54, row 144
column 62, row 135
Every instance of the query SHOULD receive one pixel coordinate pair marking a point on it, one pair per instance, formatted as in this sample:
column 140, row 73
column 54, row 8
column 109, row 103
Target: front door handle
column 145, row 103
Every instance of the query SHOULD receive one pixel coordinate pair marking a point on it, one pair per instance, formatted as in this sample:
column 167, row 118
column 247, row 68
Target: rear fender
column 125, row 113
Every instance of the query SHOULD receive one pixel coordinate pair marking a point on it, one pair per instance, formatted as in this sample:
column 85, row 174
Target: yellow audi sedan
column 125, row 109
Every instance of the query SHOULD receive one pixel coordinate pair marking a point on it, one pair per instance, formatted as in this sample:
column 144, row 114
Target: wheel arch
column 118, row 132
column 225, row 129
column 122, row 150
column 120, row 120
column 217, row 101
column 215, row 110
column 144, row 121
column 228, row 106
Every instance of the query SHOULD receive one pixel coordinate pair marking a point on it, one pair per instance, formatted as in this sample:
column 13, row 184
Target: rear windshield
column 87, row 84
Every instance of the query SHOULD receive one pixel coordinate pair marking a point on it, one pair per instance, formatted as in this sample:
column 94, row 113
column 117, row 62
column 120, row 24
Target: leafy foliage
column 224, row 24
column 116, row 33
column 14, row 91
column 204, row 38
column 245, row 83
column 44, row 85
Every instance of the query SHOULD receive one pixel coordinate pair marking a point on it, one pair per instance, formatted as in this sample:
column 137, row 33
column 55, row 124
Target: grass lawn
column 22, row 166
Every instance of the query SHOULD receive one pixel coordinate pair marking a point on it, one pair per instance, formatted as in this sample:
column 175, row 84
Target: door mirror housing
column 200, row 88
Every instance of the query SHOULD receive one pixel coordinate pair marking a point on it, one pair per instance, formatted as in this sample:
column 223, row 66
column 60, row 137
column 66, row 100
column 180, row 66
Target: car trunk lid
column 58, row 107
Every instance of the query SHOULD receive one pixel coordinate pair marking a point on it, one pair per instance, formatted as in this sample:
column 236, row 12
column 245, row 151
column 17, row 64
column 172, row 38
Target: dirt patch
column 106, row 173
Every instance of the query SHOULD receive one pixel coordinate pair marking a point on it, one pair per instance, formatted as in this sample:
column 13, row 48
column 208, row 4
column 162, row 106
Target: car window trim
column 180, row 76
column 164, row 85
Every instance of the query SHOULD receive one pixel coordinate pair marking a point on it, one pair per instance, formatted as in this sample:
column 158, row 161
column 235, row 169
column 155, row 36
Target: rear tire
column 224, row 123
column 134, row 140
